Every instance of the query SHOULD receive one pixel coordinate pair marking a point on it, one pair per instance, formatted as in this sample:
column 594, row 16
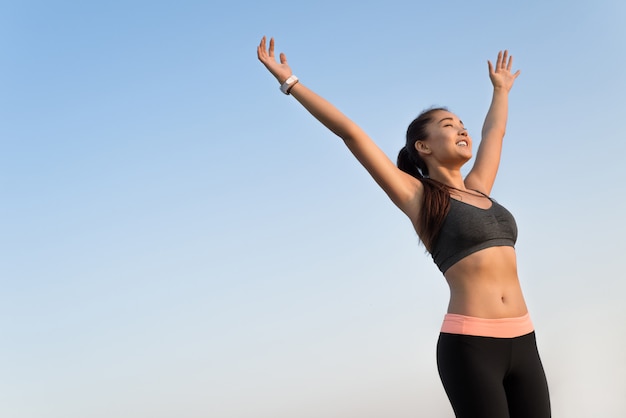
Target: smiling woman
column 487, row 356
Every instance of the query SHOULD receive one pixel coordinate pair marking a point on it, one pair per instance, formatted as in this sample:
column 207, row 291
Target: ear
column 422, row 147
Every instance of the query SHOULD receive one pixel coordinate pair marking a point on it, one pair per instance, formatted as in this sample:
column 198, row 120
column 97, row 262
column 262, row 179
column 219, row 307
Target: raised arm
column 404, row 190
column 483, row 174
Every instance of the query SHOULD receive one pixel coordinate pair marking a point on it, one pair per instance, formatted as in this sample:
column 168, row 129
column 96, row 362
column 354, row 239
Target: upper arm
column 403, row 189
column 482, row 176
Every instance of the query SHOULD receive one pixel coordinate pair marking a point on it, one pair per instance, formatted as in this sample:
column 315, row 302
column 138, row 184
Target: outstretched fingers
column 266, row 55
column 500, row 72
column 261, row 51
column 510, row 63
column 271, row 47
column 499, row 61
column 504, row 62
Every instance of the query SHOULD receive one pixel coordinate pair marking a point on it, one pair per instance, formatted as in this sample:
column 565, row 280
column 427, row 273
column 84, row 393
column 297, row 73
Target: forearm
column 495, row 121
column 325, row 112
column 403, row 189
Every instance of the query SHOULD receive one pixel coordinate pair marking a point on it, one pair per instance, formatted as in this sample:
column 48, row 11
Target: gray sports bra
column 467, row 229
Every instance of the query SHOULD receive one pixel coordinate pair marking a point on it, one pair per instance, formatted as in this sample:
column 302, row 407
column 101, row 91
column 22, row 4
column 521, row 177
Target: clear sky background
column 179, row 239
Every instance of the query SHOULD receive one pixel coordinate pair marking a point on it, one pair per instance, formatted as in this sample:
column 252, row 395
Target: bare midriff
column 486, row 285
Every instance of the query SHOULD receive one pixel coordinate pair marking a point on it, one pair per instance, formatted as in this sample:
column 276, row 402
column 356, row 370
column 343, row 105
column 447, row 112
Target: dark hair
column 436, row 202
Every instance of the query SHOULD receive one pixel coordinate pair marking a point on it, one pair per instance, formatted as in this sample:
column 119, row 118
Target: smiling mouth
column 462, row 143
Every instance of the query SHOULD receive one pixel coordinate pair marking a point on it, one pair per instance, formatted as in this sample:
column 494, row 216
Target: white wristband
column 288, row 84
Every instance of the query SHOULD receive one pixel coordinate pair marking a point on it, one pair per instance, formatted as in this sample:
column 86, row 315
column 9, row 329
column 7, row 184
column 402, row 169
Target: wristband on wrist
column 288, row 84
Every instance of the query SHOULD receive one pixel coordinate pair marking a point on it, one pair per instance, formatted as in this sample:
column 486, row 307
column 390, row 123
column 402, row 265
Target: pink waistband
column 483, row 327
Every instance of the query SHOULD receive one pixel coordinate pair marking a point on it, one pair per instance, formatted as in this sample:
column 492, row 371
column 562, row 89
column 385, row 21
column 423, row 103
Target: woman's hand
column 279, row 70
column 501, row 76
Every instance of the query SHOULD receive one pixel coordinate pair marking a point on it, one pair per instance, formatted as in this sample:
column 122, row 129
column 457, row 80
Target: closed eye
column 448, row 121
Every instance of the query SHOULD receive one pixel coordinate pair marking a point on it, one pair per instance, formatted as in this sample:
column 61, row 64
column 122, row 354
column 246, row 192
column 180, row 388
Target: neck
column 452, row 178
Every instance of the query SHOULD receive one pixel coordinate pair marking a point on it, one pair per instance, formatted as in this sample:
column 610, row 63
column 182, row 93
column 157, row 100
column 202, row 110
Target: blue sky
column 180, row 239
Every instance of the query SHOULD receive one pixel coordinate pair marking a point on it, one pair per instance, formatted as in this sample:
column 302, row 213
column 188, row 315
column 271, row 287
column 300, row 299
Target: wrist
column 501, row 89
column 288, row 84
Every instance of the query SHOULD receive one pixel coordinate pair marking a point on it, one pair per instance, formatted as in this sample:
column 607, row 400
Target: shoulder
column 472, row 182
column 412, row 198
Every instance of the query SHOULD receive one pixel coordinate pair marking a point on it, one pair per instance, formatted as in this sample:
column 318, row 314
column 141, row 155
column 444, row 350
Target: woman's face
column 448, row 140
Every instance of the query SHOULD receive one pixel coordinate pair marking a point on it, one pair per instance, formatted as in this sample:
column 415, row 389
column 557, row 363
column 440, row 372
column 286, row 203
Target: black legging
column 488, row 377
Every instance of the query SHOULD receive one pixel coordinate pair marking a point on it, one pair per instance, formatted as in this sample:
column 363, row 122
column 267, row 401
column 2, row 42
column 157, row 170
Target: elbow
column 494, row 132
column 349, row 133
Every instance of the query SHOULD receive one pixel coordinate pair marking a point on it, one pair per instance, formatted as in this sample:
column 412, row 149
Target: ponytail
column 436, row 203
column 406, row 164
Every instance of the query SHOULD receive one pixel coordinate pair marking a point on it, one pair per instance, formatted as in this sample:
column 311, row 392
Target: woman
column 486, row 353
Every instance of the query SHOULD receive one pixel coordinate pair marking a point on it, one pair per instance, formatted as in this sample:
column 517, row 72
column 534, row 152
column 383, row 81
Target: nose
column 464, row 132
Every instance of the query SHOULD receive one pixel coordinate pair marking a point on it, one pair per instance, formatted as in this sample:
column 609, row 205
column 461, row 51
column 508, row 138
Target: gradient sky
column 179, row 239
